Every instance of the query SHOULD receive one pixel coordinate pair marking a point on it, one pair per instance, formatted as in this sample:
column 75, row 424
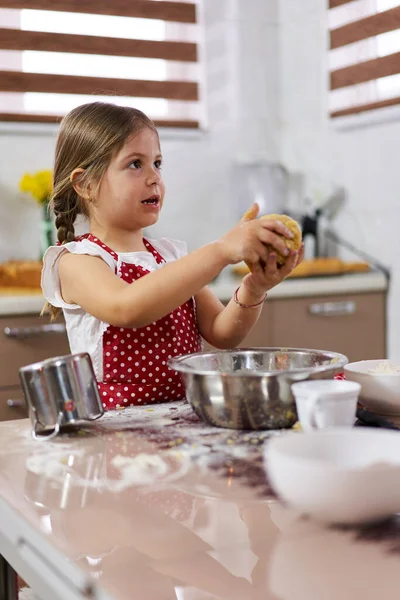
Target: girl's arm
column 226, row 327
column 88, row 282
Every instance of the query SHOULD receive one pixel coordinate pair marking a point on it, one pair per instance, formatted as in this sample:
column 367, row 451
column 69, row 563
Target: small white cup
column 326, row 403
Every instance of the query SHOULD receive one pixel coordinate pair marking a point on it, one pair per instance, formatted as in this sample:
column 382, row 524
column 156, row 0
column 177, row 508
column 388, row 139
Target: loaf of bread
column 293, row 243
column 20, row 273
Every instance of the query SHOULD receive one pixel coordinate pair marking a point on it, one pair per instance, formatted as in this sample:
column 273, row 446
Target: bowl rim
column 178, row 363
column 351, row 367
column 55, row 361
column 272, row 448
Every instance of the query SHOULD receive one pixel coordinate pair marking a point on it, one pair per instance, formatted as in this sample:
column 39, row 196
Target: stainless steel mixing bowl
column 251, row 388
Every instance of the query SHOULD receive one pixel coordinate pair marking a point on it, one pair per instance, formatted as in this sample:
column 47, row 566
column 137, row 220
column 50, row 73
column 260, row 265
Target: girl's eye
column 135, row 164
column 158, row 164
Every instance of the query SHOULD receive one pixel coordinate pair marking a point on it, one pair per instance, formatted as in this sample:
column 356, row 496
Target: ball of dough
column 293, row 244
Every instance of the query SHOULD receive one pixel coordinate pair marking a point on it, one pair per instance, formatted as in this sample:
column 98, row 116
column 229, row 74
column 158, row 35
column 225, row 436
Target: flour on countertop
column 150, row 445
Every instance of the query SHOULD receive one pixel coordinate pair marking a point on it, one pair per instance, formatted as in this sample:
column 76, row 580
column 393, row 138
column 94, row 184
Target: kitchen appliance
column 251, row 388
column 317, row 225
column 60, row 391
column 261, row 182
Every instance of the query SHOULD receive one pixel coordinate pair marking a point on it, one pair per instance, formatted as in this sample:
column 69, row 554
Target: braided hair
column 89, row 136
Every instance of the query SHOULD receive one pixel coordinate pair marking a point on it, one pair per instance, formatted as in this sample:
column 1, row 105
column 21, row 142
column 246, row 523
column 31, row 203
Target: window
column 364, row 55
column 57, row 55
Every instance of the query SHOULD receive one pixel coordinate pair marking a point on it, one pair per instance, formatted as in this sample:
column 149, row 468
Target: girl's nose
column 153, row 176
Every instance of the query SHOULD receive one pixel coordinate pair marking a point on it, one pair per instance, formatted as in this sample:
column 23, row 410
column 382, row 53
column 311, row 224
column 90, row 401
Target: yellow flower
column 39, row 185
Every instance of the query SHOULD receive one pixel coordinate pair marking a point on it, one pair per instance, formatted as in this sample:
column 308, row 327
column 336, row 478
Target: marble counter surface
column 373, row 281
column 225, row 285
column 150, row 503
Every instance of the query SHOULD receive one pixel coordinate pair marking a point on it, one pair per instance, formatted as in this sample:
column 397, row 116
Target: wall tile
column 364, row 160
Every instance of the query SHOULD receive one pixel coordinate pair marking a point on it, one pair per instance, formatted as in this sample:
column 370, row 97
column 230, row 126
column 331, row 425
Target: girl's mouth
column 152, row 201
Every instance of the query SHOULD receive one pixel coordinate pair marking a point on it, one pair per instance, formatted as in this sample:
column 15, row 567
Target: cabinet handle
column 333, row 309
column 15, row 403
column 27, row 332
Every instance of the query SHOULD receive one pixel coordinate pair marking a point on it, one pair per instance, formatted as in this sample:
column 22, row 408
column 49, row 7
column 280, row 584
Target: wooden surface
column 19, row 39
column 335, row 3
column 362, row 29
column 15, row 353
column 289, row 323
column 316, row 267
column 181, row 12
column 16, row 81
column 353, row 110
column 38, row 118
column 359, row 336
column 9, row 413
column 20, row 291
column 368, row 70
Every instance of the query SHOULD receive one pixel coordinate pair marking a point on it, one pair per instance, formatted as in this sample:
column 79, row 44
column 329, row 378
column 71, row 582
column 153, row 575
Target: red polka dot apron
column 135, row 360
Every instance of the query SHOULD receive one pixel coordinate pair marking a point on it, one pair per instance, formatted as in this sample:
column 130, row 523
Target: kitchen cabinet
column 354, row 324
column 12, row 404
column 25, row 339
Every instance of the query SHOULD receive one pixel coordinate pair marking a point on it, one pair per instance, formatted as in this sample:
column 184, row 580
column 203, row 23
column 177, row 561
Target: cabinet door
column 12, row 404
column 354, row 325
column 25, row 340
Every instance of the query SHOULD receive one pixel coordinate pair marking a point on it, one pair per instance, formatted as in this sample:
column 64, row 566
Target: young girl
column 131, row 302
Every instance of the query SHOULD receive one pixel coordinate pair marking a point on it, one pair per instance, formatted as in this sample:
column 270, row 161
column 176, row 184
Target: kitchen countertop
column 150, row 503
column 373, row 281
column 225, row 285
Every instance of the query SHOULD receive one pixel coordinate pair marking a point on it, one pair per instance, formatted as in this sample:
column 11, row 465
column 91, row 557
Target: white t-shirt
column 85, row 332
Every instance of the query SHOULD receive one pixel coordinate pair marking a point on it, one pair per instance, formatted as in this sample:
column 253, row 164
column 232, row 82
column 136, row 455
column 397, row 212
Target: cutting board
column 317, row 267
column 20, row 291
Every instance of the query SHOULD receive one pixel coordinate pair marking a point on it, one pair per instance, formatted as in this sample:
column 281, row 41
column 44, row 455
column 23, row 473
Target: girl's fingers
column 251, row 214
column 259, row 253
column 271, row 267
column 278, row 227
column 300, row 255
column 289, row 265
column 256, row 268
column 269, row 237
column 262, row 251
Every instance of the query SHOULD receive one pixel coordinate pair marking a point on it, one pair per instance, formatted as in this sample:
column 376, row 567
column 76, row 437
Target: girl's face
column 132, row 190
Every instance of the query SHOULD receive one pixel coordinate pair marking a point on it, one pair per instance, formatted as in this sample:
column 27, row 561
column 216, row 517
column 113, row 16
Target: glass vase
column 46, row 230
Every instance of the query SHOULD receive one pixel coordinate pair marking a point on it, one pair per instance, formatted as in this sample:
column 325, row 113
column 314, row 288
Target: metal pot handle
column 45, row 437
column 94, row 418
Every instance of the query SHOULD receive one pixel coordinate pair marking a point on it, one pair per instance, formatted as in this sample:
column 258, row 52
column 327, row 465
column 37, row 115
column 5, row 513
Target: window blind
column 364, row 55
column 179, row 95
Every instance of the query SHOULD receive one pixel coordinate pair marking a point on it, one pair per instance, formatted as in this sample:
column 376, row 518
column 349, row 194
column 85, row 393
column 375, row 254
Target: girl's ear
column 75, row 179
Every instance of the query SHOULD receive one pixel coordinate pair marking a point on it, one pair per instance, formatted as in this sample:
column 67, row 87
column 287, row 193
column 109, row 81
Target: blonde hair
column 89, row 136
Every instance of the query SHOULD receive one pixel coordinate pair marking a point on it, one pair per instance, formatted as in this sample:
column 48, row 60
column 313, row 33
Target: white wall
column 364, row 159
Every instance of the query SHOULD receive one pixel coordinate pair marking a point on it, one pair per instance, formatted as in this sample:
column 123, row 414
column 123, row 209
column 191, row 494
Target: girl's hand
column 247, row 241
column 264, row 278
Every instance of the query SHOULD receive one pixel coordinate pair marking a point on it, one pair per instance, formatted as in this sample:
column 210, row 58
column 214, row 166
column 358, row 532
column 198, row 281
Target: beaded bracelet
column 236, row 300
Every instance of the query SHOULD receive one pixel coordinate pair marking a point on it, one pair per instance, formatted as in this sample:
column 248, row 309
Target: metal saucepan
column 60, row 391
column 251, row 388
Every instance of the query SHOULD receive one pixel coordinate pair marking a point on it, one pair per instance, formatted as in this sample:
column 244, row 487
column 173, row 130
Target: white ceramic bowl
column 379, row 393
column 337, row 475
